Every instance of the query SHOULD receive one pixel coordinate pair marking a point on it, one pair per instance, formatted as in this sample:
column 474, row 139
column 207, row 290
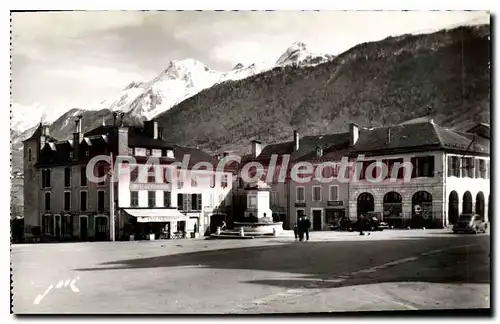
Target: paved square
column 334, row 272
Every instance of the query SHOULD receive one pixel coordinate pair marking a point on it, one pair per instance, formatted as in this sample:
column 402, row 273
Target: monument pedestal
column 258, row 215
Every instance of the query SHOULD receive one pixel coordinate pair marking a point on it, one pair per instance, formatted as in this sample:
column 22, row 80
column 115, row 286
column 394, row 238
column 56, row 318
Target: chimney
column 45, row 130
column 77, row 137
column 123, row 141
column 296, row 140
column 256, row 148
column 115, row 115
column 121, row 119
column 353, row 134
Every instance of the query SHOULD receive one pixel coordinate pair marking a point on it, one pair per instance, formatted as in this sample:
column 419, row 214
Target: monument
column 258, row 215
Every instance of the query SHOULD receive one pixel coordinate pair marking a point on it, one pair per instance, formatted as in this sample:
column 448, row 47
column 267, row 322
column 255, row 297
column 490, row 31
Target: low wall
column 259, row 227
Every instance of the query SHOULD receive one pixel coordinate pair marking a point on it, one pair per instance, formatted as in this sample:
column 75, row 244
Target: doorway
column 317, row 221
column 453, row 208
column 101, row 228
column 366, row 203
column 83, row 228
column 57, row 225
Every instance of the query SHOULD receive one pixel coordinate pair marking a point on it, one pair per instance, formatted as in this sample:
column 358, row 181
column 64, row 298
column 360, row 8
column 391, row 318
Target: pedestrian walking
column 361, row 221
column 296, row 231
column 307, row 225
column 300, row 228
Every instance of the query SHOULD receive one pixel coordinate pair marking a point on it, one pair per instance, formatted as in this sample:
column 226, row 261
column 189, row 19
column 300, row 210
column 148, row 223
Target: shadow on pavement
column 309, row 264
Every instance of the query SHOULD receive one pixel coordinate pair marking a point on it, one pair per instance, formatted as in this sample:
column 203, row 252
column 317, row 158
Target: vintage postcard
column 250, row 162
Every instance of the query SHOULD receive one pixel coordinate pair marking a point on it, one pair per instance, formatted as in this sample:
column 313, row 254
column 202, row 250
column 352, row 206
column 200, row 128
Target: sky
column 64, row 60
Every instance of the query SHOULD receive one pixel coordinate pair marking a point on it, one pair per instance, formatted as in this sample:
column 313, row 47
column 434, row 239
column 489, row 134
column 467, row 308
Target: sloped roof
column 307, row 147
column 426, row 135
column 37, row 132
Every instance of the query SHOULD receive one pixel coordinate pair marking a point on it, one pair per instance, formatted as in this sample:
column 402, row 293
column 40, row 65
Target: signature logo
column 59, row 285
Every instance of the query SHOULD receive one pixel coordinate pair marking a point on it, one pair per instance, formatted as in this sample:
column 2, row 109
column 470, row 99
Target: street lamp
column 111, row 201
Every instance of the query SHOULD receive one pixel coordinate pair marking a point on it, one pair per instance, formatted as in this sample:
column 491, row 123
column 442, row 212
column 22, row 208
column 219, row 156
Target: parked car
column 470, row 223
column 371, row 223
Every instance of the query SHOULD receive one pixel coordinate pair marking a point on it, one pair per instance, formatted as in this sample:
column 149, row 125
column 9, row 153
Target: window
column 47, row 201
column 83, row 177
column 151, row 175
column 29, row 154
column 364, row 167
column 482, row 169
column 87, row 152
column 194, row 182
column 391, row 165
column 67, row 177
column 467, row 167
column 319, row 152
column 316, row 193
column 71, row 157
column 300, row 194
column 67, row 200
column 83, row 200
column 180, row 201
column 196, row 202
column 48, row 224
column 148, row 152
column 167, row 199
column 423, row 166
column 151, row 199
column 334, row 193
column 134, row 199
column 46, row 178
column 224, row 181
column 453, row 166
column 100, row 200
column 101, row 171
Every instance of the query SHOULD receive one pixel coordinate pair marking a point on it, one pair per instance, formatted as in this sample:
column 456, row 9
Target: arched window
column 393, row 205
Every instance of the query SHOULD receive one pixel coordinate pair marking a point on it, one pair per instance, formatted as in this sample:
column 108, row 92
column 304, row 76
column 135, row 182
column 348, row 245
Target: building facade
column 449, row 174
column 62, row 204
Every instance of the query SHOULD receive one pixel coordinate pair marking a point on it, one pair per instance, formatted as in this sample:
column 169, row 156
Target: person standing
column 307, row 225
column 300, row 228
column 296, row 231
column 361, row 221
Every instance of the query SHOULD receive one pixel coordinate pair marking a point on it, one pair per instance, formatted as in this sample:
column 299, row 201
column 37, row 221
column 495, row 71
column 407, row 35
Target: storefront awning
column 156, row 215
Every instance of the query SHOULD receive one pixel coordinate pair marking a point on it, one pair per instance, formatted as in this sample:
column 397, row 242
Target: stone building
column 62, row 204
column 324, row 202
column 449, row 176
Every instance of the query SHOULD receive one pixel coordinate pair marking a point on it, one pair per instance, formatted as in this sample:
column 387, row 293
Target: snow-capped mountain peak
column 180, row 80
column 298, row 53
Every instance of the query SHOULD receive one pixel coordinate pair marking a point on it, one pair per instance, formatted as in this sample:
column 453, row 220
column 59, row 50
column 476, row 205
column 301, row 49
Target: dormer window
column 319, row 152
